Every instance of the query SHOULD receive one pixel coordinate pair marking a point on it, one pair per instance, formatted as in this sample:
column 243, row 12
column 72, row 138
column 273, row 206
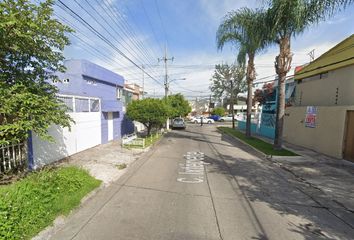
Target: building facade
column 263, row 122
column 93, row 96
column 323, row 116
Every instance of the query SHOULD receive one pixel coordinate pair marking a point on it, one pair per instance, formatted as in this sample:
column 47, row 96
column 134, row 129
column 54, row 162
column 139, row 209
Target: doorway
column 110, row 126
column 349, row 137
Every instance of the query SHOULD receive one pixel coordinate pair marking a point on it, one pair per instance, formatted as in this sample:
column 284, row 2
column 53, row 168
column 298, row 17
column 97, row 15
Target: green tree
column 287, row 19
column 151, row 112
column 228, row 81
column 179, row 106
column 243, row 28
column 219, row 111
column 30, row 52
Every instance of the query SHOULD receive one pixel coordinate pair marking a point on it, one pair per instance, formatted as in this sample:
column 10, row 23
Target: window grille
column 95, row 105
column 68, row 101
column 119, row 92
column 82, row 105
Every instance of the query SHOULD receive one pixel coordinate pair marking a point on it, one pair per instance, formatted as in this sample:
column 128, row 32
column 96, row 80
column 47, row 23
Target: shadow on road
column 261, row 181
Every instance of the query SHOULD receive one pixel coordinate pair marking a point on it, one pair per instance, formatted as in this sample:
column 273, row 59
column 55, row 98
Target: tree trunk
column 232, row 105
column 282, row 67
column 250, row 77
column 149, row 129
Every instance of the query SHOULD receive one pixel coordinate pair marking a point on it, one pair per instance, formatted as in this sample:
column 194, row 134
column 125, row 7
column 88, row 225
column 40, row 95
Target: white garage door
column 85, row 133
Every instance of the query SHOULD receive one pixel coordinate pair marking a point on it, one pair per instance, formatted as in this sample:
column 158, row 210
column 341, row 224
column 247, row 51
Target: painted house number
column 192, row 171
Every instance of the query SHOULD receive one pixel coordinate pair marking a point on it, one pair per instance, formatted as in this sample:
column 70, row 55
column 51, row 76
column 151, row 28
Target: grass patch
column 31, row 204
column 257, row 143
column 121, row 166
column 150, row 140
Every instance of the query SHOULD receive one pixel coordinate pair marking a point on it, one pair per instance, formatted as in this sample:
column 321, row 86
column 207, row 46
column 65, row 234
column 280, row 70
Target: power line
column 127, row 31
column 163, row 26
column 151, row 26
column 103, row 38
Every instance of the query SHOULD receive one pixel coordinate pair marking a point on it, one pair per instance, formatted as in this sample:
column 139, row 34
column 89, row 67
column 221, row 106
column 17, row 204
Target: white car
column 204, row 119
column 228, row 118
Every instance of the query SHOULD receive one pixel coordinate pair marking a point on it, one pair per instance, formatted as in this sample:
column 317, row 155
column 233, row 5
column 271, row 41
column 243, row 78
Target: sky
column 136, row 33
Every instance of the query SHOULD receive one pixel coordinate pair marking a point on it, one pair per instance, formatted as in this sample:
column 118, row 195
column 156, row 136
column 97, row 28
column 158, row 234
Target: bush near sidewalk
column 257, row 143
column 33, row 203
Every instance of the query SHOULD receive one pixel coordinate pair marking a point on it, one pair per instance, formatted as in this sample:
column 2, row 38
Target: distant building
column 322, row 117
column 135, row 89
column 93, row 95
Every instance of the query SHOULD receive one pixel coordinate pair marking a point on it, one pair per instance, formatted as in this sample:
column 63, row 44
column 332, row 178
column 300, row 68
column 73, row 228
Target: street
column 199, row 184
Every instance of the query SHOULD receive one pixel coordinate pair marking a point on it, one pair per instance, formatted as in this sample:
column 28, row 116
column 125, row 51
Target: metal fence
column 268, row 120
column 133, row 140
column 13, row 158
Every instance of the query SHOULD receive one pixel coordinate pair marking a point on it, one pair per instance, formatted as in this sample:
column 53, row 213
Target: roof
column 339, row 56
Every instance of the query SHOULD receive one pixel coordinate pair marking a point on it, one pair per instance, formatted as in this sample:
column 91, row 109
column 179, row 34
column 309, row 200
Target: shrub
column 31, row 204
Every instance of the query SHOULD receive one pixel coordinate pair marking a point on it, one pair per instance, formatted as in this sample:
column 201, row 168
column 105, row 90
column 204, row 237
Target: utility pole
column 209, row 105
column 312, row 55
column 142, row 67
column 166, row 83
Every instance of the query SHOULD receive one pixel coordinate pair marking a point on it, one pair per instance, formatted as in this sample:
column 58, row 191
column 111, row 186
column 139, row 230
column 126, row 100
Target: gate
column 13, row 158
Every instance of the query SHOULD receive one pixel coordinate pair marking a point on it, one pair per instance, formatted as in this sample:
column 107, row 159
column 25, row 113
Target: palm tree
column 243, row 28
column 288, row 19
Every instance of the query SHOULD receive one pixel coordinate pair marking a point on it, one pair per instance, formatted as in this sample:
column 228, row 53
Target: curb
column 60, row 220
column 266, row 156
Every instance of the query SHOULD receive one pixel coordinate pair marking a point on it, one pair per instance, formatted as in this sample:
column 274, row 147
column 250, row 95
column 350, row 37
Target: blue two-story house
column 94, row 96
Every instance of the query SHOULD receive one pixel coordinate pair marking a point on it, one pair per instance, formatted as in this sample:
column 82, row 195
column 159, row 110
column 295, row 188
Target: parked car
column 228, row 118
column 215, row 117
column 192, row 119
column 178, row 123
column 204, row 119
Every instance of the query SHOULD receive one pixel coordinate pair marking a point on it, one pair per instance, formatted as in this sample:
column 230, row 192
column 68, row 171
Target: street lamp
column 178, row 79
column 173, row 80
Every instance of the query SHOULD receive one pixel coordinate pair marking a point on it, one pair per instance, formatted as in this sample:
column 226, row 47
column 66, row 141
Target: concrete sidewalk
column 331, row 179
column 103, row 161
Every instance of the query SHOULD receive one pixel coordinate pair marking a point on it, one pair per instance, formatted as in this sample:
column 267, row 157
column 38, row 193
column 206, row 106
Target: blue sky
column 141, row 28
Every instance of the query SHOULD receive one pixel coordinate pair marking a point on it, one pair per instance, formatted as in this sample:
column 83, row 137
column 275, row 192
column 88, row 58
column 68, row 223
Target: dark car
column 215, row 117
column 178, row 123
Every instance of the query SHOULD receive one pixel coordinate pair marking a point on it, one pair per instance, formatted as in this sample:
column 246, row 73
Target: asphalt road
column 198, row 184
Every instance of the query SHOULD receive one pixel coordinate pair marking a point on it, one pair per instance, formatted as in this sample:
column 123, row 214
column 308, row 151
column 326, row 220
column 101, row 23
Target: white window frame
column 74, row 97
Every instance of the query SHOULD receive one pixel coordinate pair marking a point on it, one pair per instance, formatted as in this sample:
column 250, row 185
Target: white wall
column 85, row 133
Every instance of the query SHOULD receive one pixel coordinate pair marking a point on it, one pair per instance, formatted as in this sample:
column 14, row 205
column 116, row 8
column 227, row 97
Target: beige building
column 323, row 116
column 135, row 89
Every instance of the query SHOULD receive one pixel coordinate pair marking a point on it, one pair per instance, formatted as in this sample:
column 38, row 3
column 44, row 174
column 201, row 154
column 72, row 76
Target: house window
column 68, row 101
column 66, row 80
column 81, row 105
column 95, row 105
column 116, row 114
column 119, row 92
